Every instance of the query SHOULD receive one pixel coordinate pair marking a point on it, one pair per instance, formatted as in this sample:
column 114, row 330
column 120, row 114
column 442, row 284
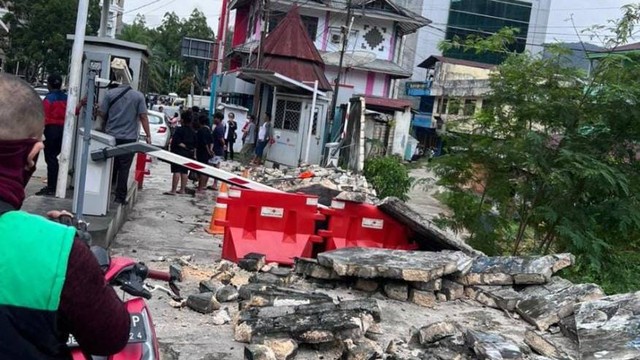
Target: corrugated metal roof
column 377, row 65
column 376, row 102
column 431, row 60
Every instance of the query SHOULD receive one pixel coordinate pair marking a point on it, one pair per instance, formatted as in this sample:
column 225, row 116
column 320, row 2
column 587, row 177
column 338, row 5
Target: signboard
column 418, row 88
column 197, row 48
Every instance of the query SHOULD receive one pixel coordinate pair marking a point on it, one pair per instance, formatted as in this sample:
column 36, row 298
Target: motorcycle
column 130, row 276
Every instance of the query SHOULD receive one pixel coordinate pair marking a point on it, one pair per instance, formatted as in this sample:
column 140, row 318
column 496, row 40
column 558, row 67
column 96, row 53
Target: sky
column 585, row 13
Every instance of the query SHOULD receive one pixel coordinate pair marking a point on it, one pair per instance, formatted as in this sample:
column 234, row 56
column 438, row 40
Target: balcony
column 418, row 88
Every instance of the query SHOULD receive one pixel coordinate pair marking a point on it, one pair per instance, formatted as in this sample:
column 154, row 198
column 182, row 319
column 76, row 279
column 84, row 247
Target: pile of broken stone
column 312, row 179
column 275, row 315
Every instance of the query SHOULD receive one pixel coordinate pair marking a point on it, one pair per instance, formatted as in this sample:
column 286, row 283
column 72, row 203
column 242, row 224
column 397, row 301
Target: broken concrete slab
column 609, row 328
column 283, row 349
column 491, row 346
column 227, row 293
column 553, row 346
column 497, row 297
column 546, row 310
column 269, row 278
column 433, row 285
column 311, row 324
column 209, row 286
column 397, row 291
column 311, row 268
column 362, row 349
column 430, row 334
column 261, row 295
column 253, row 262
column 204, row 303
column 258, row 352
column 428, row 235
column 404, row 265
column 508, row 270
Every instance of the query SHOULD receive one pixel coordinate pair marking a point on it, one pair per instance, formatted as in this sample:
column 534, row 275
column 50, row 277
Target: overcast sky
column 585, row 13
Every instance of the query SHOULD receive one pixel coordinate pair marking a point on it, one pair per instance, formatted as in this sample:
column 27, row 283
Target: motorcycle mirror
column 102, row 256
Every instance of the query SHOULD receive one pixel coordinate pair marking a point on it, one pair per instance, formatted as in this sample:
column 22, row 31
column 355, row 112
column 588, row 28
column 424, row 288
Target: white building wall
column 401, row 133
column 538, row 25
column 114, row 25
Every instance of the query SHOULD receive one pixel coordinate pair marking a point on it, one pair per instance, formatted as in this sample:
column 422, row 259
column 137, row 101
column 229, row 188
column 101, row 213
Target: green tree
column 556, row 156
column 37, row 39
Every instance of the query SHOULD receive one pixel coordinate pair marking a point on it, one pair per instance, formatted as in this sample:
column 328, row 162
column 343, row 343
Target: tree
column 556, row 154
column 38, row 30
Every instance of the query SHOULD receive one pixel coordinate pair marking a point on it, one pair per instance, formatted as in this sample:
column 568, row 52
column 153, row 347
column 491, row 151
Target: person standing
column 248, row 138
column 204, row 147
column 55, row 109
column 264, row 137
column 183, row 143
column 123, row 108
column 232, row 127
column 218, row 142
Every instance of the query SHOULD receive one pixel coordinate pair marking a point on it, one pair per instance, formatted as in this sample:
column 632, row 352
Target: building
column 114, row 22
column 452, row 91
column 475, row 17
column 4, row 29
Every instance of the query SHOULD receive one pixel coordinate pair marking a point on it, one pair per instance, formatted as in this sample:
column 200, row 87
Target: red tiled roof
column 435, row 58
column 288, row 50
column 386, row 103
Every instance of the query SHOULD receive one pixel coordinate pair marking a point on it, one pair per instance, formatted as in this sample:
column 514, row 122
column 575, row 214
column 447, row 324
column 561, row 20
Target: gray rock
column 280, row 271
column 404, row 265
column 507, row 270
column 546, row 310
column 452, row 290
column 258, row 352
column 492, row 346
column 568, row 327
column 227, row 293
column 283, row 349
column 204, row 303
column 221, row 317
column 271, row 279
column 422, row 298
column 366, row 285
column 498, row 297
column 261, row 295
column 252, row 262
column 400, row 350
column 209, row 286
column 397, row 291
column 440, row 297
column 362, row 349
column 553, row 346
column 311, row 268
column 433, row 285
column 609, row 328
column 437, row 331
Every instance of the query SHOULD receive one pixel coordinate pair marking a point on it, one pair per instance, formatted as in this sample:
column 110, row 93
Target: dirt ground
column 163, row 227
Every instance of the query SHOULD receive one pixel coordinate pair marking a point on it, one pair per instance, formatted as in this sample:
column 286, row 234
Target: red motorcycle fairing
column 142, row 346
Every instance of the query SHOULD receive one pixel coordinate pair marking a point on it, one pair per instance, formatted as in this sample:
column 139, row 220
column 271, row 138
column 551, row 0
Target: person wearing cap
column 55, row 109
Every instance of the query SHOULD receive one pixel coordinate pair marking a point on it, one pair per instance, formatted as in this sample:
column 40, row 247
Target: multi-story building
column 114, row 22
column 475, row 17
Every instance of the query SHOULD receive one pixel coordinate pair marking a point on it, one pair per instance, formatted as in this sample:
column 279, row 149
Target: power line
column 142, row 6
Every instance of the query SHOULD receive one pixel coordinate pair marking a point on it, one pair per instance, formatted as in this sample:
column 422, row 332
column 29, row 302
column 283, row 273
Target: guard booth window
column 287, row 115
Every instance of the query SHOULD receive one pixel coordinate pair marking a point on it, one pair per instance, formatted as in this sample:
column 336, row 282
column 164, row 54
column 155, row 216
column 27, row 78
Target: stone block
column 261, row 295
column 258, row 352
column 283, row 349
column 397, row 291
column 543, row 311
column 227, row 293
column 417, row 266
column 609, row 328
column 252, row 262
column 452, row 290
column 422, row 298
column 311, row 268
column 366, row 285
column 221, row 317
column 271, row 279
column 440, row 297
column 430, row 334
column 568, row 327
column 491, row 346
column 507, row 270
column 433, row 285
column 362, row 349
column 209, row 286
column 553, row 346
column 204, row 303
column 498, row 297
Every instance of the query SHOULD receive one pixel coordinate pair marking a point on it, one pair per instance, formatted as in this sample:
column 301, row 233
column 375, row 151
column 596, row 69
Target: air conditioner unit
column 336, row 38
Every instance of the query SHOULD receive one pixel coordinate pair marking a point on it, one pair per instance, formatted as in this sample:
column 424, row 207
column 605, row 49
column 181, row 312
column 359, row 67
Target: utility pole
column 75, row 75
column 346, row 30
column 264, row 24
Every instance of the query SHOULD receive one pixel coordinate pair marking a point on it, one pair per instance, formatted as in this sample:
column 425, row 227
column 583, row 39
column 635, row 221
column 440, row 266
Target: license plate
column 137, row 333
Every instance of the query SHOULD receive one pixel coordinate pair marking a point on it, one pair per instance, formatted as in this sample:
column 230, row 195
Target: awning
column 386, row 104
column 275, row 79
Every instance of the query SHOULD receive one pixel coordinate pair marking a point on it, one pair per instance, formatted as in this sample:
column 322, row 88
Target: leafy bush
column 388, row 176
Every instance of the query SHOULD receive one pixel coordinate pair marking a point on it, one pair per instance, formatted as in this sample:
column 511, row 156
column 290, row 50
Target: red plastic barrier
column 142, row 168
column 281, row 226
column 354, row 224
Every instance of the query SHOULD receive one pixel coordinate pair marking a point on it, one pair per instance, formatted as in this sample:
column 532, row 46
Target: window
column 155, row 120
column 469, row 107
column 442, row 106
column 309, row 22
column 287, row 115
column 314, row 125
column 454, row 107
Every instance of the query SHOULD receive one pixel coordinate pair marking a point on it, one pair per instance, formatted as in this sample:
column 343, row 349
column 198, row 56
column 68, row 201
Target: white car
column 159, row 127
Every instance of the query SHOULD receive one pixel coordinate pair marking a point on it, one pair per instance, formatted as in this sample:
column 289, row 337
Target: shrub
column 388, row 176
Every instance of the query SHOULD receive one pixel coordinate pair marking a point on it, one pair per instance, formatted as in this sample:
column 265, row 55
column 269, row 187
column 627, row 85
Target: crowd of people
column 193, row 138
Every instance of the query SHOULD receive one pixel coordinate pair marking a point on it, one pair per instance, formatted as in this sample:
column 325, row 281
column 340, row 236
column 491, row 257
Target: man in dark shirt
column 51, row 284
column 218, row 142
column 204, row 147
